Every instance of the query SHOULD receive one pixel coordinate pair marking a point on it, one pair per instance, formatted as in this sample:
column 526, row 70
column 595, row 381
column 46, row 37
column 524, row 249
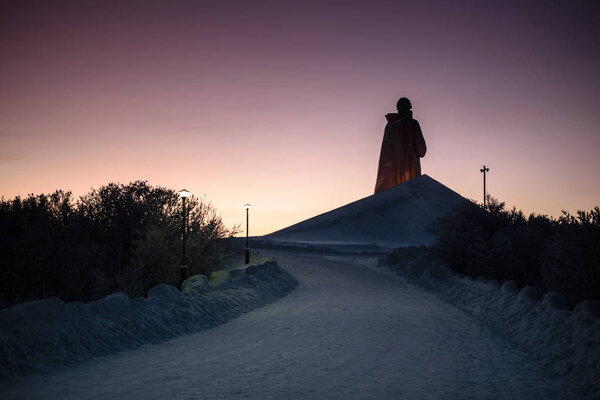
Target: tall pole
column 184, row 229
column 247, row 248
column 484, row 170
column 183, row 268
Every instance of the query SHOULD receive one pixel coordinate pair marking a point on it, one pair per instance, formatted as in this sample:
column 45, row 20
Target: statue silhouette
column 403, row 145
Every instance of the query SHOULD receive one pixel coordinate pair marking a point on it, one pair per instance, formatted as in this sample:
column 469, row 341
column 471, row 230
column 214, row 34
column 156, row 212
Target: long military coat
column 403, row 145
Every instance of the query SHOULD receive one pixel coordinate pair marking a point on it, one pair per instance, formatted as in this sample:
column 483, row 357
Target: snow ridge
column 39, row 335
column 565, row 342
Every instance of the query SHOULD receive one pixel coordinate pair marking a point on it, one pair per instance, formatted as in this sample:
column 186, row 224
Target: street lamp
column 484, row 170
column 247, row 207
column 184, row 194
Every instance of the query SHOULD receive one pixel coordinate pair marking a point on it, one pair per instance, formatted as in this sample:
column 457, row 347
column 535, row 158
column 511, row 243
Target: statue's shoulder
column 392, row 117
column 401, row 120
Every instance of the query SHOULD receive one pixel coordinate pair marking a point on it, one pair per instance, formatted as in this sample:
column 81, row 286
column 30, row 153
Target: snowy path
column 348, row 331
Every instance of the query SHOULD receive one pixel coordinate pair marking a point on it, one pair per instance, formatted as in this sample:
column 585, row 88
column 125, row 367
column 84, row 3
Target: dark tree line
column 553, row 254
column 116, row 238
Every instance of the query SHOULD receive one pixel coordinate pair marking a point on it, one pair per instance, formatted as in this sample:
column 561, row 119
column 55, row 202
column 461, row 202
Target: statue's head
column 403, row 105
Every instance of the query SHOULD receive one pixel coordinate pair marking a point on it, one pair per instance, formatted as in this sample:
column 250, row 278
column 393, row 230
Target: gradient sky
column 281, row 104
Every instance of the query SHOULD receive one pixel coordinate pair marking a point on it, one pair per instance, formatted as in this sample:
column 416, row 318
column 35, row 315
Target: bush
column 403, row 255
column 117, row 238
column 555, row 255
column 572, row 258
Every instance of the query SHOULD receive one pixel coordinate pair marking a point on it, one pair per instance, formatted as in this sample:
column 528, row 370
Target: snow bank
column 39, row 335
column 565, row 342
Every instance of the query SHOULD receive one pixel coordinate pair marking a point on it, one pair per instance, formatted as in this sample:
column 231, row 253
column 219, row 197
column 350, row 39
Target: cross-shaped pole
column 484, row 170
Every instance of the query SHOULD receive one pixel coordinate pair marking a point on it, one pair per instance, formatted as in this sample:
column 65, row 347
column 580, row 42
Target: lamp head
column 183, row 193
column 247, row 206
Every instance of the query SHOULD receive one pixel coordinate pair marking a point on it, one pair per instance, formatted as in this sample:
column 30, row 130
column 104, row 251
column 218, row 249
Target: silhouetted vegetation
column 116, row 238
column 553, row 254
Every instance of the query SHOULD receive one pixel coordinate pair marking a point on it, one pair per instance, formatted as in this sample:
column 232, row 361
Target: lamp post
column 184, row 194
column 484, row 170
column 247, row 207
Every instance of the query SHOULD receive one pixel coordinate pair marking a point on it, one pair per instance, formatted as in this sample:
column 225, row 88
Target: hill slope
column 399, row 216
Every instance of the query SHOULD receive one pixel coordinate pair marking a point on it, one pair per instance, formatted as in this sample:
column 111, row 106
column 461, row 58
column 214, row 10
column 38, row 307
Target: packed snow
column 399, row 216
column 350, row 330
column 40, row 335
column 565, row 342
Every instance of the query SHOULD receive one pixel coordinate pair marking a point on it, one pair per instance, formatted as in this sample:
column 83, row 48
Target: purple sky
column 281, row 104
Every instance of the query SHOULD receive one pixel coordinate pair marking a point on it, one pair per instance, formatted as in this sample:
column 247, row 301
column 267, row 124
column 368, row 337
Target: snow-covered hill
column 399, row 216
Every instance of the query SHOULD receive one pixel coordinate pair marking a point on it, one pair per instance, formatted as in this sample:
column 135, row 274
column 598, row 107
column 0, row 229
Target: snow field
column 40, row 335
column 565, row 342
